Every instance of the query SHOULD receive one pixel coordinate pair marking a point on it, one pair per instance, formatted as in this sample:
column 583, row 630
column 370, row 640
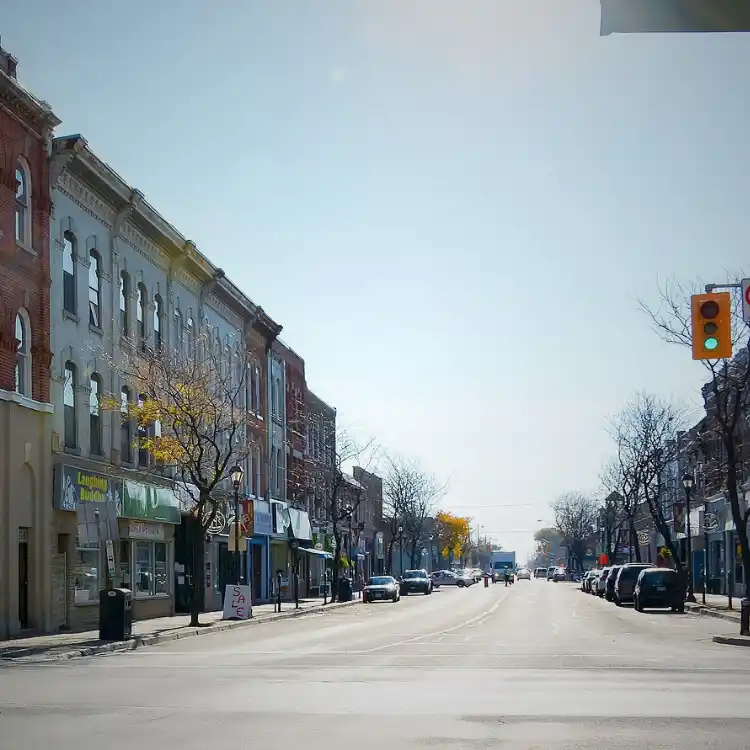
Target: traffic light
column 711, row 316
column 673, row 16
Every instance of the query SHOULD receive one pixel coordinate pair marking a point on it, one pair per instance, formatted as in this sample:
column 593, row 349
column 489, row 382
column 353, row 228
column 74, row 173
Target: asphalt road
column 535, row 665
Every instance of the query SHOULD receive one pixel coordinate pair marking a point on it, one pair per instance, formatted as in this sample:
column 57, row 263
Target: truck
column 500, row 561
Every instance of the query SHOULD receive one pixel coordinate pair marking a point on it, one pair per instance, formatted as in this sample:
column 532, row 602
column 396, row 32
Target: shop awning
column 316, row 552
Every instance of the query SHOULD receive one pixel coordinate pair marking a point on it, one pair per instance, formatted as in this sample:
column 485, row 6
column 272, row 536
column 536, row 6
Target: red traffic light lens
column 709, row 309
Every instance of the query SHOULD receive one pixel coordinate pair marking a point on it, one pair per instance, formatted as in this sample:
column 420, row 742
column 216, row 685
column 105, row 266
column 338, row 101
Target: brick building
column 26, row 126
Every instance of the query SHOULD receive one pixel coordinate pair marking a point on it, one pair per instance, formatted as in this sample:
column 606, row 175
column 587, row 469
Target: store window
column 86, row 587
column 150, row 576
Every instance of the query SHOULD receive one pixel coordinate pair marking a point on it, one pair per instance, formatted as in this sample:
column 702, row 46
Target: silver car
column 449, row 578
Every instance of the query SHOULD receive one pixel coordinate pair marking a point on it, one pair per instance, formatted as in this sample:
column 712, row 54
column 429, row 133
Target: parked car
column 609, row 586
column 551, row 572
column 601, row 582
column 383, row 588
column 540, row 572
column 559, row 575
column 659, row 587
column 478, row 574
column 415, row 581
column 449, row 578
column 625, row 582
column 524, row 574
column 586, row 580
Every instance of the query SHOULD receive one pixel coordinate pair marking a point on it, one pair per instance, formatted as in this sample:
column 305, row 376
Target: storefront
column 260, row 550
column 112, row 531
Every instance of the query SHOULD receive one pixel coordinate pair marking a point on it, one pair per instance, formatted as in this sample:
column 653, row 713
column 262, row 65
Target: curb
column 28, row 656
column 698, row 610
column 732, row 640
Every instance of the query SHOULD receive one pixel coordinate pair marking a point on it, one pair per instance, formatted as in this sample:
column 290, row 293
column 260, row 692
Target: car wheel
column 460, row 584
column 617, row 601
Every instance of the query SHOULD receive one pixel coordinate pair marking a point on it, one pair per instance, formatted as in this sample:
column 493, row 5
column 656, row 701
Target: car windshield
column 414, row 574
column 380, row 581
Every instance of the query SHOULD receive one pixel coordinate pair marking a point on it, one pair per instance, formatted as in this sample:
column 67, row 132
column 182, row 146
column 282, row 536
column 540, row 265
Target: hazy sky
column 451, row 207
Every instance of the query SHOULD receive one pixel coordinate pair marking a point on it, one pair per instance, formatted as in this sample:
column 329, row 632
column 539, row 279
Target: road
column 535, row 665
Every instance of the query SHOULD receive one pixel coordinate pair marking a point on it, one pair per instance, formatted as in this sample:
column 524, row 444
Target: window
column 158, row 313
column 23, row 355
column 126, row 437
column 254, row 483
column 280, row 488
column 275, row 398
column 190, row 337
column 124, row 303
column 69, row 405
column 143, row 435
column 150, row 569
column 23, row 207
column 86, row 587
column 141, row 313
column 69, row 273
column 179, row 332
column 95, row 290
column 95, row 418
column 255, row 388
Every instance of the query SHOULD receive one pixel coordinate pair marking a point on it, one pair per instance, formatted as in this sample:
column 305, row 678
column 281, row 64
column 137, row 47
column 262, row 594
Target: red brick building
column 26, row 548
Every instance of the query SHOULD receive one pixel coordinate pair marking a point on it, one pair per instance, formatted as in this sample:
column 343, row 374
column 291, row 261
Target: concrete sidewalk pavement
column 716, row 606
column 58, row 646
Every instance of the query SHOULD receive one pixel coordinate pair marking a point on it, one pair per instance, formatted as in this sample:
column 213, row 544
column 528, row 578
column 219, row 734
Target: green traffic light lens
column 711, row 344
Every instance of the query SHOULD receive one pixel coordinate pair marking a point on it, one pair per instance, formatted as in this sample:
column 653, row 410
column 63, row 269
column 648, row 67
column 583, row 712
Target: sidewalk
column 716, row 606
column 58, row 646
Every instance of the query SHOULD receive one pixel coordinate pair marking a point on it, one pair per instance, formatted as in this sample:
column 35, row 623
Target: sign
column 110, row 547
column 603, row 559
column 678, row 514
column 81, row 486
column 644, row 537
column 710, row 523
column 237, row 603
column 141, row 530
column 146, row 502
column 746, row 300
column 247, row 518
column 262, row 524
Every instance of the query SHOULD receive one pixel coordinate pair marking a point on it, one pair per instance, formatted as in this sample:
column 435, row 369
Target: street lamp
column 349, row 512
column 236, row 475
column 688, row 482
column 400, row 549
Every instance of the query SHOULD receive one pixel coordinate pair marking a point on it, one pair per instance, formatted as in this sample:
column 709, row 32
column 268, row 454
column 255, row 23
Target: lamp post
column 400, row 549
column 349, row 511
column 688, row 482
column 236, row 473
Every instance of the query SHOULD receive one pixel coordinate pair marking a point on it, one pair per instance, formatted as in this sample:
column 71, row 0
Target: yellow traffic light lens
column 710, row 329
column 711, row 344
column 709, row 309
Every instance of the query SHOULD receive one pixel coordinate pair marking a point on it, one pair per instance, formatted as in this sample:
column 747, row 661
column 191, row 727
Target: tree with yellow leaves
column 192, row 421
column 452, row 534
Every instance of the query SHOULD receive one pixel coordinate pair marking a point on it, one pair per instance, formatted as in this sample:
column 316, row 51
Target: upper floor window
column 179, row 332
column 23, row 354
column 255, row 388
column 69, row 405
column 95, row 290
column 23, row 205
column 158, row 317
column 124, row 303
column 95, row 419
column 126, row 437
column 190, row 337
column 69, row 273
column 140, row 312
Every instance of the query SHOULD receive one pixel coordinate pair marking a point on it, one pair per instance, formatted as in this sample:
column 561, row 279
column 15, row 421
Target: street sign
column 746, row 300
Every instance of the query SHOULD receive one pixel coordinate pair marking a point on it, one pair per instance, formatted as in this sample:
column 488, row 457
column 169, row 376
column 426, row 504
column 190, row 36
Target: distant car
column 540, row 572
column 551, row 572
column 524, row 574
column 381, row 588
column 625, row 584
column 478, row 574
column 415, row 581
column 586, row 579
column 659, row 587
column 601, row 582
column 609, row 586
column 559, row 575
column 449, row 578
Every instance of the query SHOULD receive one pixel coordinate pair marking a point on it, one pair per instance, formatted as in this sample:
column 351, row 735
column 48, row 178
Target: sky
column 452, row 208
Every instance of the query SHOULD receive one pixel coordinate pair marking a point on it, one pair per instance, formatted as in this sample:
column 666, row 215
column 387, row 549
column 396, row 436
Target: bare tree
column 726, row 397
column 622, row 479
column 191, row 424
column 576, row 517
column 646, row 435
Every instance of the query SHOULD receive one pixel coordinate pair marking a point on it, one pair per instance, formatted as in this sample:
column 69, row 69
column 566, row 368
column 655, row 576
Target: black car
column 625, row 582
column 416, row 581
column 659, row 587
column 609, row 586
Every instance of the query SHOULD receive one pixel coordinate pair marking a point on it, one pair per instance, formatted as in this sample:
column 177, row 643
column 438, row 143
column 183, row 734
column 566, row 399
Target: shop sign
column 142, row 530
column 710, row 523
column 146, row 502
column 81, row 486
column 247, row 518
column 644, row 537
column 262, row 523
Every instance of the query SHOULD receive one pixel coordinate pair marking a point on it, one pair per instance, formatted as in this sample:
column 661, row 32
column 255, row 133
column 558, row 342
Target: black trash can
column 115, row 614
column 345, row 590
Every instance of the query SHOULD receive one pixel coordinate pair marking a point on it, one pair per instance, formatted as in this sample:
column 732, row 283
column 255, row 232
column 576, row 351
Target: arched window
column 95, row 419
column 140, row 313
column 23, row 205
column 179, row 338
column 190, row 337
column 124, row 303
column 126, row 437
column 95, row 290
column 23, row 354
column 69, row 405
column 158, row 317
column 69, row 273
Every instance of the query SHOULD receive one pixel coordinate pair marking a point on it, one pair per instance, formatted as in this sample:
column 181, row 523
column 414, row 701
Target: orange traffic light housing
column 711, row 316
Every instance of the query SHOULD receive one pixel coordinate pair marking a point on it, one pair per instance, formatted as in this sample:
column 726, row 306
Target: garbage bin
column 115, row 614
column 345, row 590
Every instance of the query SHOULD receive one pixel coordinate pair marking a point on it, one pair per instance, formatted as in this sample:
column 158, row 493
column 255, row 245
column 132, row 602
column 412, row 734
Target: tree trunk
column 739, row 518
column 198, row 542
column 389, row 556
column 634, row 542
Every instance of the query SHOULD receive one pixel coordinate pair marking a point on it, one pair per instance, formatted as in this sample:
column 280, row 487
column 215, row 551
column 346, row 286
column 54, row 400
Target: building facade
column 369, row 515
column 26, row 126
